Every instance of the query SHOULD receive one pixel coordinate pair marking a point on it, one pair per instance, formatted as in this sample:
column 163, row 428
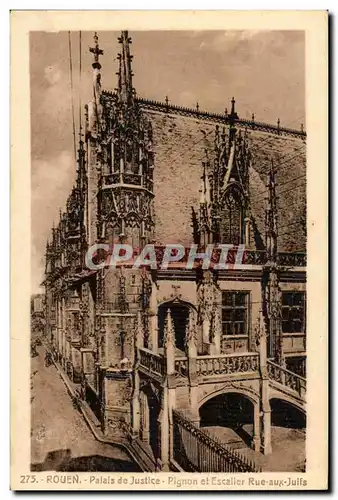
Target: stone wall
column 181, row 143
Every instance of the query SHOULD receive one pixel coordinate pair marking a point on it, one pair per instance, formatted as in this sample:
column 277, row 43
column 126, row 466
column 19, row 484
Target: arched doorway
column 284, row 414
column 230, row 417
column 288, row 436
column 179, row 311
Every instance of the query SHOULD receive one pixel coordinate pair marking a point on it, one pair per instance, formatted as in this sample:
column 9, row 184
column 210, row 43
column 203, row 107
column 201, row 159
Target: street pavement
column 60, row 438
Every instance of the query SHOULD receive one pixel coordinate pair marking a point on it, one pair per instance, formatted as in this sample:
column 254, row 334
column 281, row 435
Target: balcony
column 203, row 366
column 127, row 178
column 153, row 364
column 227, row 364
column 292, row 259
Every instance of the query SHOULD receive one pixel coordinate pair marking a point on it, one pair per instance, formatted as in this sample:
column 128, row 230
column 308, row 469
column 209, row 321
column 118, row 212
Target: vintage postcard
column 169, row 250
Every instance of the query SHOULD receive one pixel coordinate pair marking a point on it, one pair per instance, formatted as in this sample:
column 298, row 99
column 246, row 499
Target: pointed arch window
column 232, row 217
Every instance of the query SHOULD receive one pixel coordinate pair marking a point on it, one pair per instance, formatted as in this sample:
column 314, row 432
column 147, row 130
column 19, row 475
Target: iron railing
column 196, row 451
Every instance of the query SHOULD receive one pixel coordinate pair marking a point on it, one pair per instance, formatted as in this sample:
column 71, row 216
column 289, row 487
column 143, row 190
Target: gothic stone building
column 145, row 342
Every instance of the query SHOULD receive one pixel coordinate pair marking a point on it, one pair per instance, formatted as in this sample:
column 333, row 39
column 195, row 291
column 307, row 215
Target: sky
column 263, row 70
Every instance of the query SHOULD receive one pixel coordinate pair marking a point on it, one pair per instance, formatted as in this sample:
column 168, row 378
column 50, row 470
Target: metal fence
column 196, row 451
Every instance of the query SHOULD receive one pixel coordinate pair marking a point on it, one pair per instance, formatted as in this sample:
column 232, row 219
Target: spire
column 97, row 52
column 125, row 85
column 232, row 117
column 81, row 171
column 169, row 332
column 233, row 102
column 271, row 215
column 169, row 344
column 205, row 198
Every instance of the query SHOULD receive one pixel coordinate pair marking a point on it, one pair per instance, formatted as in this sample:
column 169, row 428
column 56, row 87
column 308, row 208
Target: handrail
column 231, row 354
column 196, row 450
column 287, row 378
column 286, row 370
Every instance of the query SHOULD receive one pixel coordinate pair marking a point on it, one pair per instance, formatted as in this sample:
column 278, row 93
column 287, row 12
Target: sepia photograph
column 168, row 251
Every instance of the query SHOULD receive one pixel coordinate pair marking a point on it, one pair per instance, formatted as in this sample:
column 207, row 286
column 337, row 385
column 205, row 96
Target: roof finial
column 271, row 214
column 125, row 72
column 96, row 51
column 233, row 102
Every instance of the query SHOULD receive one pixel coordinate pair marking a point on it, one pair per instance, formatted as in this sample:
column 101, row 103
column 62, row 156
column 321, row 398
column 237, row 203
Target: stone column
column 153, row 319
column 103, row 402
column 215, row 347
column 206, row 331
column 265, row 403
column 167, row 396
column 256, row 441
column 163, row 433
column 191, row 348
column 144, row 420
column 169, row 344
column 135, row 402
column 266, row 422
column 135, row 406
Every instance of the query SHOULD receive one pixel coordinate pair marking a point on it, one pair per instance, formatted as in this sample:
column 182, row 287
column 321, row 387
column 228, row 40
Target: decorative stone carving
column 191, row 331
column 169, row 331
column 115, row 423
column 123, row 394
column 216, row 325
column 122, row 297
column 207, row 293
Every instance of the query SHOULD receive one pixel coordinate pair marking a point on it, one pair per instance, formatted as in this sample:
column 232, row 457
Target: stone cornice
column 163, row 107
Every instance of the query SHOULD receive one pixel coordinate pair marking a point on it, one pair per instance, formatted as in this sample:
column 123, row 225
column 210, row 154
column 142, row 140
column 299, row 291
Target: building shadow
column 62, row 461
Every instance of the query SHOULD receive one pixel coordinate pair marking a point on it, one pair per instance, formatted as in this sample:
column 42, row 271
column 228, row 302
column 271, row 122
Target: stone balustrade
column 292, row 259
column 181, row 366
column 287, row 378
column 154, row 363
column 226, row 364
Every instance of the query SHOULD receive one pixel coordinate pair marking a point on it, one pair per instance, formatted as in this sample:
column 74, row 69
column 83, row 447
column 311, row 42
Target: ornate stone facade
column 142, row 341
